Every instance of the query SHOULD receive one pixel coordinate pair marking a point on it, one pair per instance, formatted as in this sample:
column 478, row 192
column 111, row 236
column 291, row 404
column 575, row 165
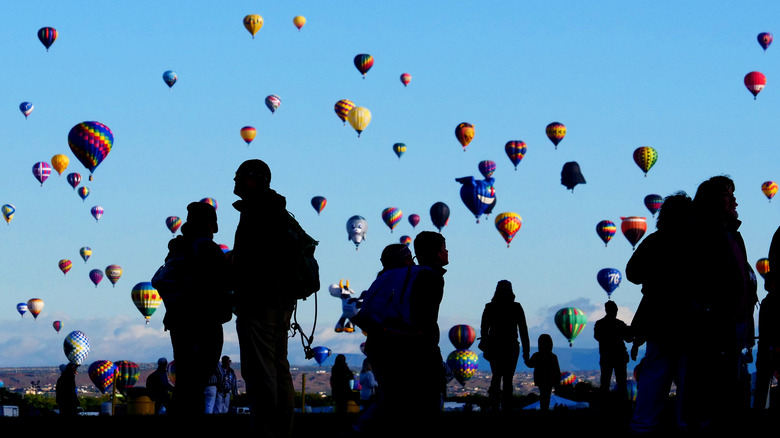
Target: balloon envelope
column 97, row 212
column 41, row 170
column 21, row 308
column 765, row 39
column 478, row 195
column 57, row 326
column 487, row 168
column 65, row 265
column 170, row 78
column 364, row 62
column 464, row 364
column 90, row 142
column 83, row 192
column 462, row 336
column 770, row 189
column 35, row 306
column 8, row 211
column 47, row 36
column 113, row 272
column 633, row 227
column 414, row 219
column 406, row 78
column 571, row 175
column 762, row 266
column 320, row 354
column 173, row 223
column 359, row 118
column 273, row 102
column 570, row 321
column 85, row 253
column 464, row 132
column 440, row 215
column 399, row 149
column 356, row 229
column 342, row 108
column 645, row 157
column 74, row 179
column 26, row 108
column 392, row 216
column 299, row 21
column 102, row 374
column 96, row 275
column 319, row 202
column 76, row 347
column 515, row 150
column 127, row 375
column 248, row 133
column 146, row 299
column 555, row 132
column 60, row 162
column 253, row 23
column 653, row 203
column 755, row 82
column 606, row 229
column 609, row 280
column 508, row 224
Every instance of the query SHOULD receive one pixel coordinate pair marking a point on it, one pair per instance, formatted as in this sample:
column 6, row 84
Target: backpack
column 304, row 271
column 385, row 305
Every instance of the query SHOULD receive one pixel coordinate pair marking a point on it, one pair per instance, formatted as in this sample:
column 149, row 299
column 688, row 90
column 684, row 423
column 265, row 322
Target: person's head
column 715, row 200
column 226, row 361
column 162, row 362
column 396, row 255
column 545, row 343
column 611, row 308
column 201, row 219
column 340, row 360
column 366, row 366
column 252, row 177
column 676, row 212
column 430, row 249
column 504, row 292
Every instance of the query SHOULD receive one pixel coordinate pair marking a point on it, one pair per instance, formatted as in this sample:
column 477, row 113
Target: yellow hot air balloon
column 299, row 21
column 60, row 162
column 253, row 23
column 359, row 118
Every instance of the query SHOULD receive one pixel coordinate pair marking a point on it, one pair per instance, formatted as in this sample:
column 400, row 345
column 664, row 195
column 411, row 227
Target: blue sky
column 618, row 75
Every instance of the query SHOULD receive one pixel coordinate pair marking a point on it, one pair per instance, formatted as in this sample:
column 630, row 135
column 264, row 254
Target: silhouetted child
column 547, row 372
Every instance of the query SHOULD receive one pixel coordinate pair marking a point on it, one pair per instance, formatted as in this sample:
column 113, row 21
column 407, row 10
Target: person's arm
column 522, row 327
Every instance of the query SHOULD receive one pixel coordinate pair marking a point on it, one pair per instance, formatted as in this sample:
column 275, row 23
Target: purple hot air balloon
column 74, row 179
column 487, row 167
column 96, row 275
column 41, row 170
column 97, row 212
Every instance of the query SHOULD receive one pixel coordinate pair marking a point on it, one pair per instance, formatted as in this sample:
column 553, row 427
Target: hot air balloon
column 487, row 168
column 171, row 371
column 633, row 227
column 609, row 280
column 90, row 142
column 555, row 132
column 8, row 211
column 762, row 267
column 173, row 223
column 342, row 108
column 65, row 265
column 356, row 229
column 653, row 203
column 97, row 212
column 47, row 36
column 113, row 272
column 755, row 82
column 770, row 189
column 764, row 39
column 272, row 102
column 170, row 78
column 477, row 194
column 253, row 23
column 568, row 379
column 225, row 249
column 606, row 229
column 464, row 364
column 399, row 149
column 34, row 306
column 83, row 192
column 515, row 150
column 363, row 63
column 462, row 336
column 359, row 118
column 26, row 108
column 406, row 78
column 320, row 354
column 102, row 373
column 21, row 308
column 146, row 299
column 96, row 275
column 74, row 179
column 127, row 375
column 248, row 133
column 464, row 132
column 41, row 170
column 414, row 219
column 392, row 216
column 76, row 347
column 645, row 157
column 571, row 175
column 57, row 326
column 406, row 240
column 319, row 203
column 440, row 215
column 570, row 321
column 211, row 201
column 85, row 253
column 508, row 224
column 60, row 162
column 299, row 21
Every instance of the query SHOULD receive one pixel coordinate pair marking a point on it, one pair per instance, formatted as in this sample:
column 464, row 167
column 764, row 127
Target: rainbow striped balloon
column 90, row 142
column 606, row 229
column 462, row 336
column 391, row 216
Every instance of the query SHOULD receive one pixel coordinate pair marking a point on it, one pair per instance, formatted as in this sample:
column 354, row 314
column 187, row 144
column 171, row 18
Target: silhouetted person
column 67, row 397
column 612, row 334
column 196, row 327
column 724, row 300
column 340, row 383
column 547, row 372
column 768, row 351
column 503, row 321
column 158, row 386
column 261, row 256
column 662, row 320
column 368, row 385
column 228, row 386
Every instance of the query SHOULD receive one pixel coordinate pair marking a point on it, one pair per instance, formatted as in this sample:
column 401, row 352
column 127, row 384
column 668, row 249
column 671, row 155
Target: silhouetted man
column 612, row 333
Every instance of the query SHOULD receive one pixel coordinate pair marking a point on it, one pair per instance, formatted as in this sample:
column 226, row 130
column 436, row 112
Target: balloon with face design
column 356, row 229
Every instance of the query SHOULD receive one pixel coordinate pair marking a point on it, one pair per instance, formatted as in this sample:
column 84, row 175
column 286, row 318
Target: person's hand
column 634, row 351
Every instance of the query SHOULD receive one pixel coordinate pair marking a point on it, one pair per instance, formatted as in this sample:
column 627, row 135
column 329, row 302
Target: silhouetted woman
column 503, row 320
column 340, row 379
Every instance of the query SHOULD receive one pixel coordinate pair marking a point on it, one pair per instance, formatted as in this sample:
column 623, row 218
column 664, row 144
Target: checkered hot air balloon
column 76, row 347
column 102, row 373
column 508, row 224
column 90, row 142
column 464, row 364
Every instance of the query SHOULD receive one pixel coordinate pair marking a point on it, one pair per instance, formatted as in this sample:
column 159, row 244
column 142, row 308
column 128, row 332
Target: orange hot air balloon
column 770, row 189
column 465, row 133
column 762, row 266
column 60, row 162
column 555, row 132
column 299, row 21
column 248, row 133
column 755, row 82
column 633, row 227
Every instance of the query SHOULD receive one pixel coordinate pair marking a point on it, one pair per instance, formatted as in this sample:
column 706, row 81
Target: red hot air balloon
column 65, row 265
column 764, row 39
column 406, row 78
column 755, row 82
column 57, row 325
column 633, row 227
